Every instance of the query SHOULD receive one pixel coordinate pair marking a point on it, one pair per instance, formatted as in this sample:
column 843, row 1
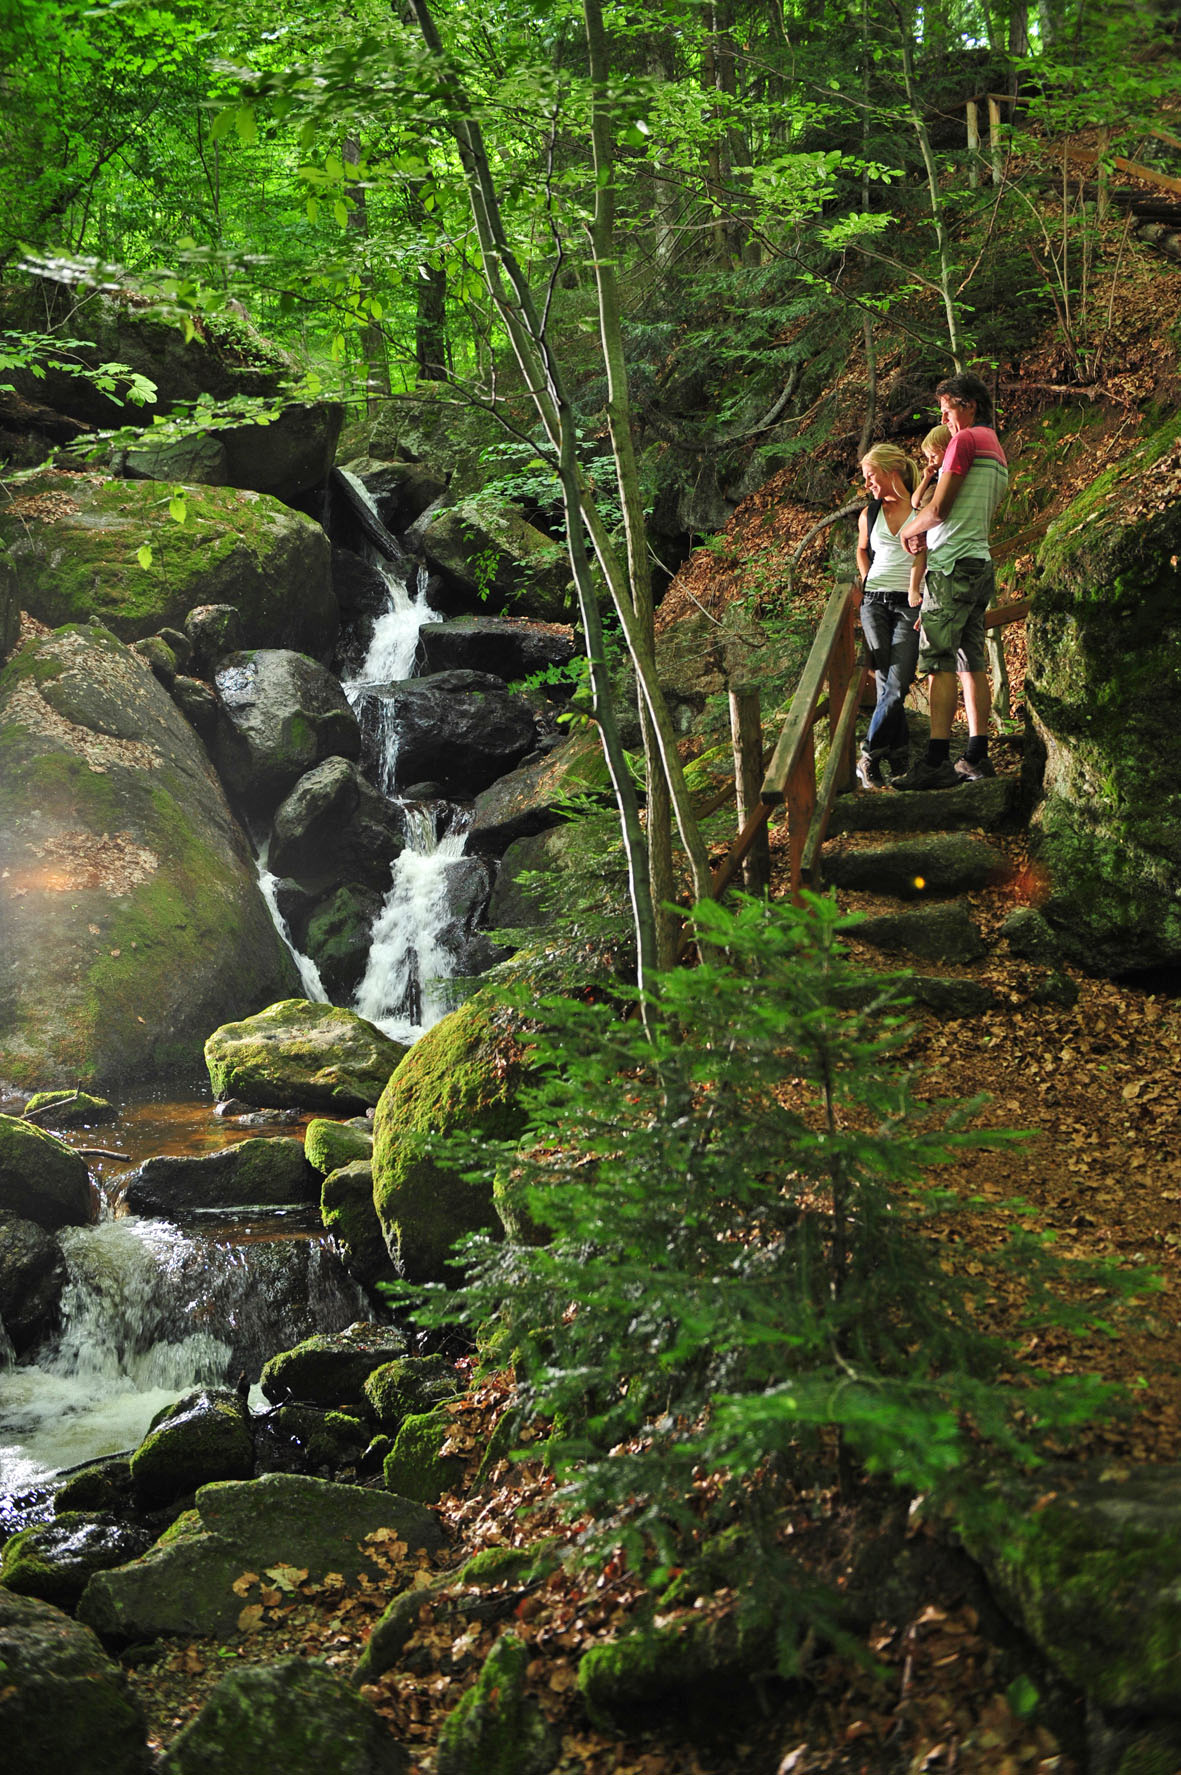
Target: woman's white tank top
column 889, row 571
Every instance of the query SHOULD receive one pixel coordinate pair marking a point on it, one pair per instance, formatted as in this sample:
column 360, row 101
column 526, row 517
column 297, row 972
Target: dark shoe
column 974, row 770
column 899, row 762
column 922, row 775
column 869, row 771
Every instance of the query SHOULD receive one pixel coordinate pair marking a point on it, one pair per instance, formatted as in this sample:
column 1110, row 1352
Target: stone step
column 935, row 865
column 943, row 932
column 989, row 805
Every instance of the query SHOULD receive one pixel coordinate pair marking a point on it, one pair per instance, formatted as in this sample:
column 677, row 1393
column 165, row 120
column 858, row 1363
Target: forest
column 768, row 1360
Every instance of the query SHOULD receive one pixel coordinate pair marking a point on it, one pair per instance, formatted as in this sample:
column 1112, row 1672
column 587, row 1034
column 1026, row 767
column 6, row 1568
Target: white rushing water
column 309, row 973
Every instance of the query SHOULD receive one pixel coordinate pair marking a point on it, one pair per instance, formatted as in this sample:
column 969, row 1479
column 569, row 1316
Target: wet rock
column 41, row 1178
column 282, row 715
column 122, row 870
column 571, row 854
column 203, row 1437
column 55, row 1560
column 347, row 1212
column 32, row 1276
column 185, row 1584
column 319, row 1440
column 297, row 1716
column 506, row 646
column 464, row 1074
column 539, row 795
column 69, row 1109
column 491, row 552
column 265, row 1171
column 235, row 547
column 298, row 1054
column 407, row 1386
column 337, row 935
column 459, row 729
column 328, row 1145
column 331, row 1369
column 360, row 587
column 496, row 1728
column 401, row 491
column 103, row 1487
column 334, row 827
column 213, row 631
column 64, row 1705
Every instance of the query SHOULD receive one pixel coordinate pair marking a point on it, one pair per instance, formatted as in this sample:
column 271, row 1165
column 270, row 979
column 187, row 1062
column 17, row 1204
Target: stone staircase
column 934, row 874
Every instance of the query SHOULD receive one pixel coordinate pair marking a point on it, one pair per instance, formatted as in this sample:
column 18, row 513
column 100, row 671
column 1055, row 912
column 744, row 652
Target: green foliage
column 750, row 1273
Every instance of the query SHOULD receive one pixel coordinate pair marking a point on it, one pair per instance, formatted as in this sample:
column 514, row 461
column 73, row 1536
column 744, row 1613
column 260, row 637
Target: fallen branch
column 45, row 1109
column 99, row 1152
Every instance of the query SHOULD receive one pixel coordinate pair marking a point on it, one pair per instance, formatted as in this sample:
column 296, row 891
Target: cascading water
column 148, row 1313
column 309, row 973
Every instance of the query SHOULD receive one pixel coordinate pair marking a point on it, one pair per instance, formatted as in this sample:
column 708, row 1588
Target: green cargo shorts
column 952, row 635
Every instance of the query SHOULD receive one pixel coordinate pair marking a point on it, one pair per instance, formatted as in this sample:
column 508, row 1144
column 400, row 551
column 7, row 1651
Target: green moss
column 496, row 1729
column 330, row 1144
column 416, row 1467
column 410, row 1384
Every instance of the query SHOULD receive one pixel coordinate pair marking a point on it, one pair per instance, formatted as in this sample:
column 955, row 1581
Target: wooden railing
column 835, row 662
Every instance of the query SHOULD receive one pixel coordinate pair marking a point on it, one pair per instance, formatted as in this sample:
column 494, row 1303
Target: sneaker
column 974, row 770
column 899, row 762
column 922, row 775
column 869, row 771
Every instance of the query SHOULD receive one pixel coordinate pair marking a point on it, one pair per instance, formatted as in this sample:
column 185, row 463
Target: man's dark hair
column 968, row 388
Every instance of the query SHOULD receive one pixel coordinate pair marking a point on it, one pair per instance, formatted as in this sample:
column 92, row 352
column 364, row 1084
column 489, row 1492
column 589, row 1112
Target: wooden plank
column 797, row 729
column 800, row 797
column 1089, row 156
column 973, row 144
column 728, row 868
column 746, row 735
column 829, row 784
column 1006, row 613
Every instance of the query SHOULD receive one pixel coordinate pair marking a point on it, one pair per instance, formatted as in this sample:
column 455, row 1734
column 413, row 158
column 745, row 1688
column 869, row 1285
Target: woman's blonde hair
column 938, row 438
column 894, row 460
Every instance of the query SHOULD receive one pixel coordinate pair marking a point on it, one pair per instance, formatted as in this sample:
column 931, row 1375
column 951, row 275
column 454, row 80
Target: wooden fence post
column 746, row 733
column 994, row 140
column 973, row 144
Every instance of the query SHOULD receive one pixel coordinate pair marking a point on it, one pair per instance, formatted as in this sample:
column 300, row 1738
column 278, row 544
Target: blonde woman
column 887, row 620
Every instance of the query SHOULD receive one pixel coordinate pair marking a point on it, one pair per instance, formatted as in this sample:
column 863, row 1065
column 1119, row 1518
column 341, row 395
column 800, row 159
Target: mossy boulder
column 488, row 550
column 281, row 715
column 329, row 1144
column 122, row 871
column 41, row 1178
column 408, row 1385
column 326, row 1440
column 688, row 1669
column 1103, row 689
column 496, row 1728
column 103, row 1487
column 538, row 795
column 185, row 1583
column 416, row 1467
column 299, row 1055
column 1094, row 1578
column 267, row 1171
column 55, row 1560
column 347, row 1212
column 203, row 1437
column 75, row 541
column 64, row 1705
column 452, row 436
column 70, row 1109
column 331, row 1368
column 464, row 1075
column 297, row 1716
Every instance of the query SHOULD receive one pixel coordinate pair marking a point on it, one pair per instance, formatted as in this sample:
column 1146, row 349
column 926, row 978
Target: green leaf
column 178, row 510
column 143, row 554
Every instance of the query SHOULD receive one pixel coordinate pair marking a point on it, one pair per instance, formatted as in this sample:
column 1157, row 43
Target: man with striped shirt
column 960, row 583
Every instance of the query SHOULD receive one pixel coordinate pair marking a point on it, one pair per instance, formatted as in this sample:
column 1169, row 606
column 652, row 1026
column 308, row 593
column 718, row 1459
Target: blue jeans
column 893, row 644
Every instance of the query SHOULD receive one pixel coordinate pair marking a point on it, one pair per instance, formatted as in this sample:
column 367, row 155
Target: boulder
column 55, row 1560
column 203, row 1437
column 417, row 1466
column 490, row 552
column 337, row 934
column 1103, row 690
column 360, row 587
column 266, row 1171
column 32, row 1276
column 195, row 458
column 103, row 1488
column 197, row 704
column 69, row 1109
column 432, row 425
column 934, row 933
column 297, row 1716
column 288, row 456
column 302, row 1055
column 496, row 1728
column 506, row 646
column 334, row 827
column 571, row 854
column 122, row 871
column 213, row 630
column 332, row 1369
column 937, row 863
column 41, row 1178
column 409, row 1385
column 75, row 541
column 64, row 1705
column 282, row 715
column 461, row 730
column 539, row 794
column 463, row 1075
column 347, row 1212
column 1030, row 936
column 401, row 491
column 330, row 1144
column 187, row 1582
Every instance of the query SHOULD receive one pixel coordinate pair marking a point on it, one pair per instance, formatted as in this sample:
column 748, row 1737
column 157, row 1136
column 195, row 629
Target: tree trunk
column 373, row 348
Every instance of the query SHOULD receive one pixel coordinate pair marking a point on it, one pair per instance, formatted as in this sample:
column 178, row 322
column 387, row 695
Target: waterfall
column 309, row 973
column 148, row 1313
column 405, row 988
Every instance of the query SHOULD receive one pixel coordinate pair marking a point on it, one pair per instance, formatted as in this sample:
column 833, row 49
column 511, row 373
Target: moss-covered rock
column 489, row 550
column 687, row 1668
column 203, row 1437
column 70, row 1109
column 329, row 1144
column 347, row 1212
column 297, row 1716
column 452, row 436
column 327, row 1440
column 185, row 1583
column 331, row 1368
column 267, row 1171
column 41, row 1178
column 104, row 1486
column 122, row 871
column 75, row 542
column 281, row 715
column 416, row 1466
column 55, row 1560
column 64, row 1705
column 409, row 1384
column 496, row 1729
column 1104, row 693
column 297, row 1055
column 464, row 1074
